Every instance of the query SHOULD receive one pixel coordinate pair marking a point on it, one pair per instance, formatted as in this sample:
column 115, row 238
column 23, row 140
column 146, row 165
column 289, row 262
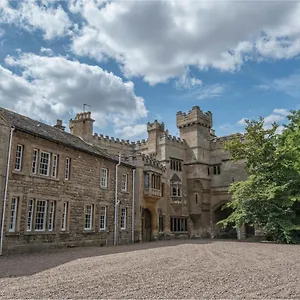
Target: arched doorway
column 146, row 225
column 219, row 214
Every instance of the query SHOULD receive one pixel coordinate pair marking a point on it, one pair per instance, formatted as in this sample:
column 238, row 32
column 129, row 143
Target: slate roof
column 51, row 133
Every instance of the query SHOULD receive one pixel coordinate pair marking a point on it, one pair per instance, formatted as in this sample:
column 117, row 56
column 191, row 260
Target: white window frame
column 64, row 220
column 123, row 217
column 13, row 214
column 91, row 206
column 67, row 168
column 51, row 216
column 54, row 165
column 35, row 161
column 104, row 177
column 44, row 216
column 124, row 183
column 103, row 217
column 19, row 157
column 44, row 164
column 30, row 214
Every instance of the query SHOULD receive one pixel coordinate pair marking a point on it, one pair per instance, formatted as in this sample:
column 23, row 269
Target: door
column 146, row 225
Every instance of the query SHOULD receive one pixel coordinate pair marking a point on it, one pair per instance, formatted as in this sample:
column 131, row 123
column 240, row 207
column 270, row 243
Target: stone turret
column 155, row 130
column 195, row 128
column 82, row 125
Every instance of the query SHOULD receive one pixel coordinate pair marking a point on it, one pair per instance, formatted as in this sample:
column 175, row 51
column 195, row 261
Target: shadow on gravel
column 16, row 265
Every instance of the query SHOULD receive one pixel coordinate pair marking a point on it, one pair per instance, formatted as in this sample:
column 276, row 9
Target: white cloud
column 53, row 21
column 54, row 87
column 46, row 51
column 242, row 122
column 272, row 118
column 131, row 131
column 158, row 40
column 2, row 32
column 211, row 91
column 263, row 87
column 281, row 111
column 289, row 85
column 186, row 81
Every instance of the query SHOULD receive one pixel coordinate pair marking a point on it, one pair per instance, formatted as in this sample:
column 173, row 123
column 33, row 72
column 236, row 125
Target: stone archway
column 146, row 225
column 221, row 213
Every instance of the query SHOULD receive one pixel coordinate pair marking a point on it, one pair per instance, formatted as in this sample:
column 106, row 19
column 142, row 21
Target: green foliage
column 270, row 197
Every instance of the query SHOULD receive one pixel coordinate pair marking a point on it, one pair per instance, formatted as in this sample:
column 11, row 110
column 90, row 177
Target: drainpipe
column 116, row 205
column 5, row 189
column 132, row 214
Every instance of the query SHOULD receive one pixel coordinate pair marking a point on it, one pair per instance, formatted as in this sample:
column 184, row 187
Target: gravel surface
column 193, row 269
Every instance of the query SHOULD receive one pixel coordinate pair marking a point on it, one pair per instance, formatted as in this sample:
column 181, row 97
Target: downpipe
column 5, row 190
column 116, row 204
column 132, row 214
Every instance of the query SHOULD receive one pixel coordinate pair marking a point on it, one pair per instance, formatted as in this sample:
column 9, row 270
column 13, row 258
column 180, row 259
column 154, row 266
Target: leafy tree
column 270, row 197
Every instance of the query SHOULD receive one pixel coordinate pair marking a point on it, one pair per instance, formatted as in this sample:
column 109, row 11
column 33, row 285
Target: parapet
column 228, row 137
column 156, row 126
column 194, row 116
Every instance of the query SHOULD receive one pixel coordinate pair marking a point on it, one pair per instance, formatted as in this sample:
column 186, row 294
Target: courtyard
column 178, row 269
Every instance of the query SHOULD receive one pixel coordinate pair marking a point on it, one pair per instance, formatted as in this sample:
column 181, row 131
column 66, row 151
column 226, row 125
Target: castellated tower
column 155, row 130
column 195, row 129
column 82, row 125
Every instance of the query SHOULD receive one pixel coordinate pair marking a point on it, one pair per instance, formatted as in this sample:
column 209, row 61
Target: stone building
column 180, row 183
column 60, row 190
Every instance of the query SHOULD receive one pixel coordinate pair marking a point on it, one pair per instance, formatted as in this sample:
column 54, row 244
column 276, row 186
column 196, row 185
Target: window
column 54, row 165
column 44, row 163
column 123, row 218
column 178, row 224
column 176, row 190
column 196, row 198
column 161, row 224
column 40, row 216
column 51, row 216
column 146, row 181
column 124, row 183
column 217, row 169
column 176, row 164
column 88, row 222
column 103, row 210
column 13, row 214
column 104, row 177
column 67, row 170
column 162, row 189
column 155, row 182
column 19, row 156
column 64, row 220
column 35, row 161
column 208, row 171
column 30, row 214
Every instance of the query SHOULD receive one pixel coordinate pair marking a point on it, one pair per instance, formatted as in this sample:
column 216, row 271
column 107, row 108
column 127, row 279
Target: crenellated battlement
column 108, row 139
column 226, row 138
column 155, row 126
column 194, row 116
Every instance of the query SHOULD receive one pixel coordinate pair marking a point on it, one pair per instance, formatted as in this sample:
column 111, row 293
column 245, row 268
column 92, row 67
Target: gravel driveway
column 189, row 269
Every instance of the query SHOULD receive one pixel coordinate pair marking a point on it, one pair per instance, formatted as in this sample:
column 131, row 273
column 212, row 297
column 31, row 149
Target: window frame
column 124, row 189
column 51, row 216
column 48, row 164
column 54, row 170
column 19, row 156
column 91, row 217
column 44, row 217
column 123, row 218
column 35, row 161
column 64, row 218
column 105, row 185
column 13, row 217
column 67, row 168
column 103, row 218
column 30, row 214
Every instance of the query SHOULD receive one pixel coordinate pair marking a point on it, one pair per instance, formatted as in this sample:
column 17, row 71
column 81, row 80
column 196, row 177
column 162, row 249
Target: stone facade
column 180, row 183
column 59, row 203
column 195, row 164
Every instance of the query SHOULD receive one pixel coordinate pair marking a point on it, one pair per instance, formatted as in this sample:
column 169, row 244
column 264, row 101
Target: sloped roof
column 175, row 178
column 51, row 133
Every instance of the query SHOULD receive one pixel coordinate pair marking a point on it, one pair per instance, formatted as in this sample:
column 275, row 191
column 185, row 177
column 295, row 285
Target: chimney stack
column 59, row 125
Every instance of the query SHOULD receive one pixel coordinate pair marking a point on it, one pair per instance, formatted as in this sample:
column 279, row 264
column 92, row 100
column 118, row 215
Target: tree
column 270, row 197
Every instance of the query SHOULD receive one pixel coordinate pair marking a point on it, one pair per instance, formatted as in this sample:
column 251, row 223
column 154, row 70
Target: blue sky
column 134, row 62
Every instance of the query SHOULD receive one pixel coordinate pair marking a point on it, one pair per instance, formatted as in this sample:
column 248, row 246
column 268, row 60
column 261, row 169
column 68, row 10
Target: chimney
column 82, row 125
column 59, row 125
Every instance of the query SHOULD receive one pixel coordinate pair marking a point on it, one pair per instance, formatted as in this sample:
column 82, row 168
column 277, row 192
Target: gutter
column 116, row 204
column 132, row 214
column 5, row 190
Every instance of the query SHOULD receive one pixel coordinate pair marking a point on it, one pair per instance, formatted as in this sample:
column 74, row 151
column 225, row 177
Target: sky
column 137, row 61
